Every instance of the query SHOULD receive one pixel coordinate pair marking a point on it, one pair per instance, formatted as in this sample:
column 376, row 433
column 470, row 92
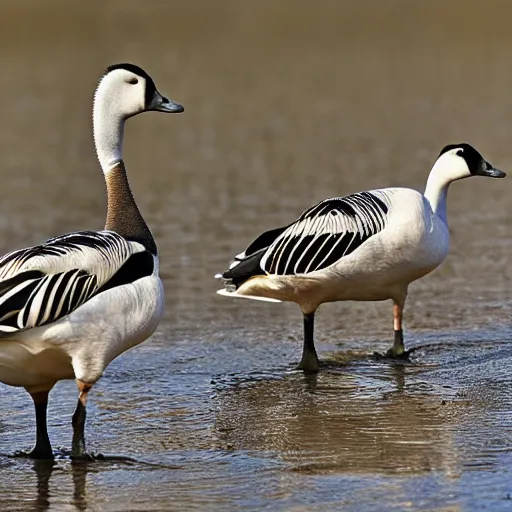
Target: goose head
column 129, row 90
column 458, row 161
column 124, row 91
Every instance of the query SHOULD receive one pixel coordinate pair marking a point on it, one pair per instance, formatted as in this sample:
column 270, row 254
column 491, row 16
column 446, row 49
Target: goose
column 367, row 246
column 71, row 305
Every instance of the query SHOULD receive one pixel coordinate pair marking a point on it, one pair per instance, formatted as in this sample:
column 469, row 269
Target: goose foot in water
column 397, row 351
column 33, row 454
column 42, row 448
column 390, row 355
column 309, row 364
column 88, row 457
column 101, row 457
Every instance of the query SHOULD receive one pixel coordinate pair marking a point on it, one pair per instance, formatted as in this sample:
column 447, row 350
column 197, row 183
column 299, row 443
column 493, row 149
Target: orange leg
column 398, row 348
column 79, row 416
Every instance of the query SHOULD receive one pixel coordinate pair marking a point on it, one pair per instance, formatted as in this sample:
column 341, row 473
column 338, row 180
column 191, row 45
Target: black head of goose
column 464, row 161
column 455, row 162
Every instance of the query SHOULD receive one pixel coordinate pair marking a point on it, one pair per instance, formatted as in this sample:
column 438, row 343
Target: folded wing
column 325, row 233
column 41, row 284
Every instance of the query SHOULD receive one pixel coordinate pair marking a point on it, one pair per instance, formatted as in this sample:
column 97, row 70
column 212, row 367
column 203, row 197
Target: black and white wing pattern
column 41, row 284
column 327, row 232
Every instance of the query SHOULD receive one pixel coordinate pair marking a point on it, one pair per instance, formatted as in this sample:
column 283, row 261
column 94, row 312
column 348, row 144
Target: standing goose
column 365, row 246
column 70, row 306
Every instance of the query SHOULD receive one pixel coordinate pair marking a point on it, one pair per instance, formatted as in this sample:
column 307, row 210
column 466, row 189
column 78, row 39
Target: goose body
column 367, row 246
column 326, row 246
column 71, row 305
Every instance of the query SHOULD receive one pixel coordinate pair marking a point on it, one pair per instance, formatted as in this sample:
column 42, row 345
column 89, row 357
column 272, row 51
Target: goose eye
column 133, row 81
column 459, row 152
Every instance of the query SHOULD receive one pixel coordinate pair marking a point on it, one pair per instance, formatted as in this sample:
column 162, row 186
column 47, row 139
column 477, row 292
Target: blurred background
column 287, row 102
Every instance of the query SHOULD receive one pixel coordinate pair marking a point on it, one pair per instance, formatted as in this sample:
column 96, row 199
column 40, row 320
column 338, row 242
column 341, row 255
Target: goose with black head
column 367, row 246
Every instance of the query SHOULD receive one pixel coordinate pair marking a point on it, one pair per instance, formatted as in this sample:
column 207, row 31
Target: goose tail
column 243, row 268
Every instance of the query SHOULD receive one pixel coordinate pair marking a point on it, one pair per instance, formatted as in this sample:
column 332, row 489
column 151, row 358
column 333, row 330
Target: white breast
column 414, row 242
column 82, row 344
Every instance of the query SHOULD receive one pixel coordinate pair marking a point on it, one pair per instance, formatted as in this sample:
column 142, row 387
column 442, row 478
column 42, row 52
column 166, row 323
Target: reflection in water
column 79, row 470
column 43, row 470
column 371, row 419
column 277, row 439
column 58, row 485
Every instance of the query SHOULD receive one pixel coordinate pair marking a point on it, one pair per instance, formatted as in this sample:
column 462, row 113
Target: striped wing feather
column 325, row 233
column 41, row 284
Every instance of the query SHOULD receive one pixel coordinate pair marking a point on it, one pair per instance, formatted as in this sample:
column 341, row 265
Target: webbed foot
column 391, row 354
column 34, row 453
column 309, row 363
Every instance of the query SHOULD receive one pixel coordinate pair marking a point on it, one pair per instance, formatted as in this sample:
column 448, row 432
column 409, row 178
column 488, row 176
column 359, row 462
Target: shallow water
column 286, row 104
